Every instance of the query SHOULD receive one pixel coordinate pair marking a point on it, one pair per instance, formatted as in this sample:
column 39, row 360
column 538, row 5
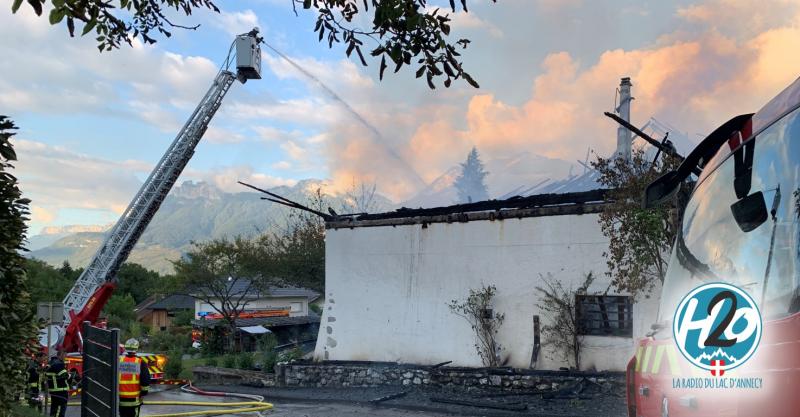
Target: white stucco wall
column 387, row 289
column 259, row 304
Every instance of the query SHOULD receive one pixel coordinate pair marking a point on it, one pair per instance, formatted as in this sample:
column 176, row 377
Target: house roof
column 268, row 322
column 538, row 205
column 240, row 286
column 174, row 302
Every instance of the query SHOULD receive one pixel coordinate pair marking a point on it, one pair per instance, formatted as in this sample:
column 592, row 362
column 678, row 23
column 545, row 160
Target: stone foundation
column 335, row 374
column 225, row 376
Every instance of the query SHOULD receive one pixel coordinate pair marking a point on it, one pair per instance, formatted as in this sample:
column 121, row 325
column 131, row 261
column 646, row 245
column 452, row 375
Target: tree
column 360, row 198
column 120, row 311
column 139, row 282
column 639, row 238
column 562, row 330
column 66, row 270
column 477, row 310
column 401, row 30
column 17, row 328
column 222, row 273
column 470, row 184
column 296, row 255
column 45, row 282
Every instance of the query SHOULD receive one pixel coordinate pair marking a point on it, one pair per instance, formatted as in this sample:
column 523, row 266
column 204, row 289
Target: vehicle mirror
column 750, row 212
column 661, row 189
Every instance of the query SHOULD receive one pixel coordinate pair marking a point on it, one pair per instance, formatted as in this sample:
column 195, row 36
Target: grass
column 188, row 364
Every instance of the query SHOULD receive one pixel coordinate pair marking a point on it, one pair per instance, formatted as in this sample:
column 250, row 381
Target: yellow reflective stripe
column 639, row 358
column 646, row 360
column 672, row 358
column 657, row 359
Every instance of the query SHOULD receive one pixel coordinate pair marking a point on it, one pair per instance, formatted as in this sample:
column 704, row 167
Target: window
column 763, row 259
column 604, row 315
column 296, row 307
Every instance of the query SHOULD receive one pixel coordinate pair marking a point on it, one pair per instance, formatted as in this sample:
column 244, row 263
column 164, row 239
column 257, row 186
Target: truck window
column 713, row 246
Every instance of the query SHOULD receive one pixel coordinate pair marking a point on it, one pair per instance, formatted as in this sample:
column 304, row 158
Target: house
column 295, row 300
column 158, row 312
column 284, row 311
column 390, row 277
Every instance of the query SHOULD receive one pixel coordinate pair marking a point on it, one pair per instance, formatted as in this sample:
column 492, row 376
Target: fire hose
column 255, row 405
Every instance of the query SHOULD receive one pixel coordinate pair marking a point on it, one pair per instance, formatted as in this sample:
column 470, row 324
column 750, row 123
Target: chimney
column 624, row 137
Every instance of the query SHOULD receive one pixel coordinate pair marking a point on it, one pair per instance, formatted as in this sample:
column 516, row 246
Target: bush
column 177, row 339
column 245, row 361
column 16, row 310
column 291, row 354
column 266, row 349
column 174, row 365
column 212, row 361
column 229, row 361
column 315, row 308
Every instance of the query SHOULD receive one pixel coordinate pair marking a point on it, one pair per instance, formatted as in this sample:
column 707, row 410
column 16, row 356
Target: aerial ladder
column 94, row 287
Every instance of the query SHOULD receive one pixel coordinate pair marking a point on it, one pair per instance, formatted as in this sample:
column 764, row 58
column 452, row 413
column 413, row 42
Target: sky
column 92, row 125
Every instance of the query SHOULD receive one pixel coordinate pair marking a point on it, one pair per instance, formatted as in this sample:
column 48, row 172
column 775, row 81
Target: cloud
column 461, row 20
column 55, row 74
column 227, row 178
column 41, row 215
column 694, row 78
column 58, row 179
column 235, row 23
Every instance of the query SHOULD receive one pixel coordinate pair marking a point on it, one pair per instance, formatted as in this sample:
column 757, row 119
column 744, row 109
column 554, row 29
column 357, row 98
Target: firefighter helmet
column 131, row 345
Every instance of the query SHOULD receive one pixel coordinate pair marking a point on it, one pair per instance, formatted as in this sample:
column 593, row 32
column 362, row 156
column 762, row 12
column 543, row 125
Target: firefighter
column 57, row 385
column 134, row 380
column 33, row 386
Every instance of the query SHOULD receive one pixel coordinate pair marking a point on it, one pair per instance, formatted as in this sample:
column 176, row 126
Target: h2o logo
column 717, row 327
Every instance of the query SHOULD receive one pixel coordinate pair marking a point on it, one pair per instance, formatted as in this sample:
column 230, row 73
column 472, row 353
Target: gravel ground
column 590, row 402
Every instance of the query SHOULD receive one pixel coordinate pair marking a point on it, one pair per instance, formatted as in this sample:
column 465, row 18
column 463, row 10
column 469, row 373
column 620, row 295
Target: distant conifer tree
column 470, row 183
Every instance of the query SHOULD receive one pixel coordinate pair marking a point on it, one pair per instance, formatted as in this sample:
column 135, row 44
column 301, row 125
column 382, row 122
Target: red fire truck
column 741, row 225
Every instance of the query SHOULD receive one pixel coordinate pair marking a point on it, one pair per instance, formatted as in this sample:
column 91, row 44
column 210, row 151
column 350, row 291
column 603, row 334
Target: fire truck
column 741, row 225
column 85, row 301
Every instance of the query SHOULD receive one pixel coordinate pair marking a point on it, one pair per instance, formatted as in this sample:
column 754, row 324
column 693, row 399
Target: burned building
column 391, row 276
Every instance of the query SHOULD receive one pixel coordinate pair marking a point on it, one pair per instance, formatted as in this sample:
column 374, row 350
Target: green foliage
column 138, row 281
column 562, row 329
column 183, row 318
column 174, row 365
column 245, row 361
column 47, row 283
column 119, row 311
column 213, row 344
column 315, row 308
column 17, row 329
column 229, row 361
column 639, row 238
column 211, row 269
column 266, row 349
column 117, row 21
column 477, row 310
column 175, row 339
column 292, row 354
column 403, row 32
column 211, row 361
column 297, row 253
column 470, row 183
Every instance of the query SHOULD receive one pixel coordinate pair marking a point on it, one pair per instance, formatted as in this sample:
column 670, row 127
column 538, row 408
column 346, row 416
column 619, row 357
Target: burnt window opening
column 604, row 315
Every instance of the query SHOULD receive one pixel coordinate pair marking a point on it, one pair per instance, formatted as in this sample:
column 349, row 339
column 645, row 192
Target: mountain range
column 191, row 212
